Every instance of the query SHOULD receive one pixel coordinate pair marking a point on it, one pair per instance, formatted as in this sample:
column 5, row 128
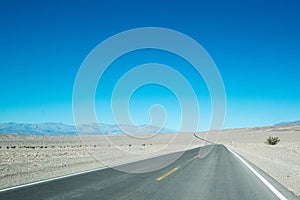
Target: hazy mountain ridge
column 64, row 129
column 288, row 123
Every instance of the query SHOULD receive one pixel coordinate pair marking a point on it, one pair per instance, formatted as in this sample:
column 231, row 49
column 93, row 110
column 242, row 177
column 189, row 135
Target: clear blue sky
column 255, row 44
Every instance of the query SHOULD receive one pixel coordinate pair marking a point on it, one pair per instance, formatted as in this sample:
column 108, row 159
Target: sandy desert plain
column 29, row 158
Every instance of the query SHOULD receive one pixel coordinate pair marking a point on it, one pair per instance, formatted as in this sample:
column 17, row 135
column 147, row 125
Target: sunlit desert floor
column 28, row 158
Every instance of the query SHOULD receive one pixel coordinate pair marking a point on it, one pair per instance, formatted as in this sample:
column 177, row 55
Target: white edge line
column 51, row 179
column 271, row 187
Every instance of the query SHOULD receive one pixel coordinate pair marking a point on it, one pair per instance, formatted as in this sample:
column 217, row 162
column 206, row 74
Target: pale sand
column 67, row 154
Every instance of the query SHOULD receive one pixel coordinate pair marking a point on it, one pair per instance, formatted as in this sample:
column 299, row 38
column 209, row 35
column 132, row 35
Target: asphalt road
column 219, row 175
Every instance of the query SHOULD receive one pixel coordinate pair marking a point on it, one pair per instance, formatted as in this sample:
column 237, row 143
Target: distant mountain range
column 64, row 129
column 288, row 123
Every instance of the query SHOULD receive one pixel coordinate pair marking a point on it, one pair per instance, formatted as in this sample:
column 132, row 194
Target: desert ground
column 29, row 158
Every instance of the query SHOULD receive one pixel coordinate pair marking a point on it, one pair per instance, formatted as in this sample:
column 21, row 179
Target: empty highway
column 219, row 175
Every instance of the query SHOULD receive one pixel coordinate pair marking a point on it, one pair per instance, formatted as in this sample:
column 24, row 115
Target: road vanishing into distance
column 221, row 174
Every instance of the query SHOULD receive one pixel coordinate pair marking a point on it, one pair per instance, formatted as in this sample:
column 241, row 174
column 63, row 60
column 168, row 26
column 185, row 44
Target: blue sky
column 255, row 45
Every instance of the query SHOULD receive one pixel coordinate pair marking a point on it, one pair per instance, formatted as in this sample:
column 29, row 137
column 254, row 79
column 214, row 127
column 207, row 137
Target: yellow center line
column 196, row 156
column 167, row 174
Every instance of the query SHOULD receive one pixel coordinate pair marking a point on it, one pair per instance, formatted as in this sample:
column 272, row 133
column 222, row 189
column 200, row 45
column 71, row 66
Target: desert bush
column 273, row 140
